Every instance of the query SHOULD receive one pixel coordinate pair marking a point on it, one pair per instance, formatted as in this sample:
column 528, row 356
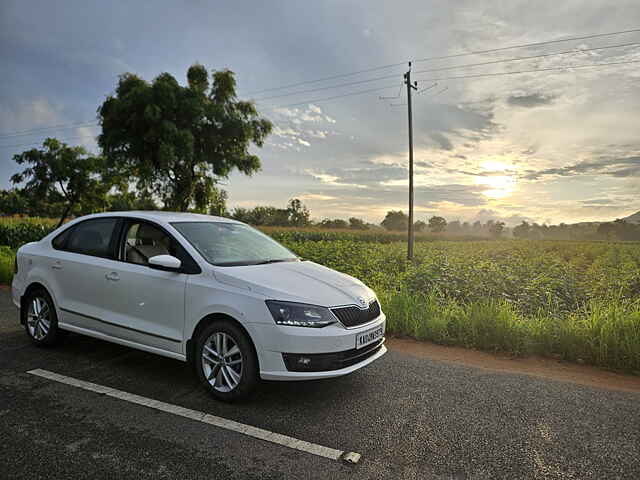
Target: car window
column 143, row 241
column 92, row 237
column 60, row 241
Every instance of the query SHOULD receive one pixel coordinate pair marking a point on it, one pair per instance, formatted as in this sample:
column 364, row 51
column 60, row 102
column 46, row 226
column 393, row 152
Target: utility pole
column 410, row 86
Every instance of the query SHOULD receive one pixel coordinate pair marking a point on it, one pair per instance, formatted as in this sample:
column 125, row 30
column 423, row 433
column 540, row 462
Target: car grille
column 326, row 362
column 353, row 316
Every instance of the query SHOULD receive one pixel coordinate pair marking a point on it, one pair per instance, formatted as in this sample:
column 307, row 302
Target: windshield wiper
column 275, row 260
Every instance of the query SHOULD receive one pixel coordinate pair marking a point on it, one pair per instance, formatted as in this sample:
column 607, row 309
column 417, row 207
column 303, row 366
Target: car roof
column 163, row 216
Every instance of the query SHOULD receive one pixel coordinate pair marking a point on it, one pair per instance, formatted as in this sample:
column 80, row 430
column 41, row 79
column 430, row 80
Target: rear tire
column 225, row 361
column 40, row 318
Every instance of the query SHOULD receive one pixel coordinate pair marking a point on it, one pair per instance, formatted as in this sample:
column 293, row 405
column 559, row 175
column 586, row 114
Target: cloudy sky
column 549, row 146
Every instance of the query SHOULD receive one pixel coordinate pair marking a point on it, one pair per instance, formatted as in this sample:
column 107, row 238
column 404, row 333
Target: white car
column 208, row 290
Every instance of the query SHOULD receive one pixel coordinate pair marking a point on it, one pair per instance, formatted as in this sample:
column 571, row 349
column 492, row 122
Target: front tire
column 41, row 320
column 225, row 361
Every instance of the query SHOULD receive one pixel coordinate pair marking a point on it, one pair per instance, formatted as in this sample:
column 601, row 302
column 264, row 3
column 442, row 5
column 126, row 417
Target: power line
column 536, row 44
column 443, row 57
column 515, row 72
column 22, row 133
column 359, row 92
column 478, row 75
column 529, row 57
column 39, row 143
column 387, row 77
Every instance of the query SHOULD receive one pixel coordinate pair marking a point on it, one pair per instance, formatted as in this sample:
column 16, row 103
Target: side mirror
column 168, row 263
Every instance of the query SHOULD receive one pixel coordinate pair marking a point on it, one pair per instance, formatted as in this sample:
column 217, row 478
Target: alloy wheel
column 38, row 318
column 222, row 362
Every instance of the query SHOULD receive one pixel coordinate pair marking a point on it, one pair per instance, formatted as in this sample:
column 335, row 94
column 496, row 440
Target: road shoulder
column 542, row 367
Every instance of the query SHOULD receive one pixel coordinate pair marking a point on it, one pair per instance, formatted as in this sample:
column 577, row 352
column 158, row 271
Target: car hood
column 302, row 281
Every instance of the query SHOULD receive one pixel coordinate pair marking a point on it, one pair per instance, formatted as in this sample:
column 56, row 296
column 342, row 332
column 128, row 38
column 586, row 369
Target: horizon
column 553, row 147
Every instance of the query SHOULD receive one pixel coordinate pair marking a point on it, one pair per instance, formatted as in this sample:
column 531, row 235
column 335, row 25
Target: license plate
column 370, row 336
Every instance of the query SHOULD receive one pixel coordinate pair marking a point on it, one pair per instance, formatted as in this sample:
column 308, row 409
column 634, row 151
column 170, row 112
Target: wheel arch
column 208, row 320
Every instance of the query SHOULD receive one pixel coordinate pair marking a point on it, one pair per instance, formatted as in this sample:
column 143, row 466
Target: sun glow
column 500, row 185
column 498, row 178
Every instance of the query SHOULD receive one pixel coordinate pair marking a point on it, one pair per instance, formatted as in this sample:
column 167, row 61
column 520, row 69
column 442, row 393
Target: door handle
column 57, row 266
column 113, row 276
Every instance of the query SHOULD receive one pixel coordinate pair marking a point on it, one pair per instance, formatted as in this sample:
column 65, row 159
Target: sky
column 550, row 146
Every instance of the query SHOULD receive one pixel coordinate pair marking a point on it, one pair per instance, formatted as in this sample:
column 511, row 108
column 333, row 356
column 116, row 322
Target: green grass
column 604, row 333
column 6, row 265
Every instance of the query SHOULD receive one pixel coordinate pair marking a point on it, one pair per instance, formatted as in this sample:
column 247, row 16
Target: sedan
column 207, row 290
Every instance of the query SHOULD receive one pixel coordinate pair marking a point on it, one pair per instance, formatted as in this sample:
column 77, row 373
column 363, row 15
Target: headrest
column 148, row 235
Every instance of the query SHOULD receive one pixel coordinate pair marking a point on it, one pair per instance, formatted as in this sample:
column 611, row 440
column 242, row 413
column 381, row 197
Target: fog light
column 303, row 361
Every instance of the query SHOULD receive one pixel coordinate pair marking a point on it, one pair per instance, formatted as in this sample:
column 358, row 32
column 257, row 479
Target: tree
column 13, row 201
column 335, row 223
column 437, row 224
column 357, row 224
column 522, row 231
column 298, row 213
column 218, row 203
column 124, row 199
column 419, row 226
column 58, row 173
column 177, row 141
column 496, row 228
column 454, row 227
column 395, row 220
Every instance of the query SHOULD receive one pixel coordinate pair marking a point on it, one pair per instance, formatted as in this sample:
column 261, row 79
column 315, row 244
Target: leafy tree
column 419, row 226
column 335, row 223
column 298, row 213
column 522, row 231
column 357, row 224
column 454, row 226
column 58, row 173
column 496, row 228
column 178, row 140
column 13, row 201
column 122, row 201
column 437, row 224
column 218, row 203
column 395, row 220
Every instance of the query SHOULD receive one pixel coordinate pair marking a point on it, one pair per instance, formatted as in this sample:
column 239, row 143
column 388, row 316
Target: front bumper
column 288, row 376
column 334, row 346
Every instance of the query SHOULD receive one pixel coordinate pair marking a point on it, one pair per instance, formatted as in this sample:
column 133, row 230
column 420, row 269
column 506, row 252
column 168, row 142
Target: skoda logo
column 362, row 301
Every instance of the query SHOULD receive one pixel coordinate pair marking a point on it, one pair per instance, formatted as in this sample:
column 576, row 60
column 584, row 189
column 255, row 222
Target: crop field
column 579, row 301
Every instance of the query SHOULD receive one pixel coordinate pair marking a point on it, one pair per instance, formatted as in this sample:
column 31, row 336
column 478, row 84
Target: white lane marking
column 255, row 432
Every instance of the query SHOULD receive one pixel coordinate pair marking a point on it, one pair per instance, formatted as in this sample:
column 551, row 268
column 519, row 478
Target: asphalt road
column 408, row 417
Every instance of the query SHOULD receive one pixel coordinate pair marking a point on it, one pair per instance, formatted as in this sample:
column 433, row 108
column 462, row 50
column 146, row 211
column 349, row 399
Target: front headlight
column 300, row 314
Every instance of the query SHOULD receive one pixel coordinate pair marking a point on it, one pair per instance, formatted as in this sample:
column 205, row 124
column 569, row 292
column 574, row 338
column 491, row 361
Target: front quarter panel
column 206, row 296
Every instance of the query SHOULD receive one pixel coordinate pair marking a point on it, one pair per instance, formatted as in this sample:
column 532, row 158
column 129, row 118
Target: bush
column 16, row 231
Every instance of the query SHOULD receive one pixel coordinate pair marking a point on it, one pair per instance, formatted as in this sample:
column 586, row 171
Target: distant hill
column 635, row 218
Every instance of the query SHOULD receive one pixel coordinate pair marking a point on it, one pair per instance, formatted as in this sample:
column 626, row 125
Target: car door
column 84, row 255
column 153, row 313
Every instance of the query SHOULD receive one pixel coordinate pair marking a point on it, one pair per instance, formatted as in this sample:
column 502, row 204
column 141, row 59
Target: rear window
column 60, row 241
column 92, row 237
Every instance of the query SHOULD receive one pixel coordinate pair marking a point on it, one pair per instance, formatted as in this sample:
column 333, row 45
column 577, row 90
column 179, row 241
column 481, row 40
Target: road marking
column 255, row 432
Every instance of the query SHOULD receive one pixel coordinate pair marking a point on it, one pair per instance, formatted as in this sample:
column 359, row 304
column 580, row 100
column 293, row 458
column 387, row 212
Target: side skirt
column 119, row 341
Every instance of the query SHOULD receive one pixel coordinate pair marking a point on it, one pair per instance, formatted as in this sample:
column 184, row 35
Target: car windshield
column 233, row 244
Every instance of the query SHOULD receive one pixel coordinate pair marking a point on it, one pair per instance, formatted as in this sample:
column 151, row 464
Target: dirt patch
column 535, row 366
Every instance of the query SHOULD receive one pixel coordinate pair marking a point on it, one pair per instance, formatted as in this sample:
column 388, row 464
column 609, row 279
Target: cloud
column 316, row 196
column 443, row 142
column 617, row 167
column 304, row 142
column 529, row 101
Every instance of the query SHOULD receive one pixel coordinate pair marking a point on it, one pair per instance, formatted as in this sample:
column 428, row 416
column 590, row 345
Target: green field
column 576, row 300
